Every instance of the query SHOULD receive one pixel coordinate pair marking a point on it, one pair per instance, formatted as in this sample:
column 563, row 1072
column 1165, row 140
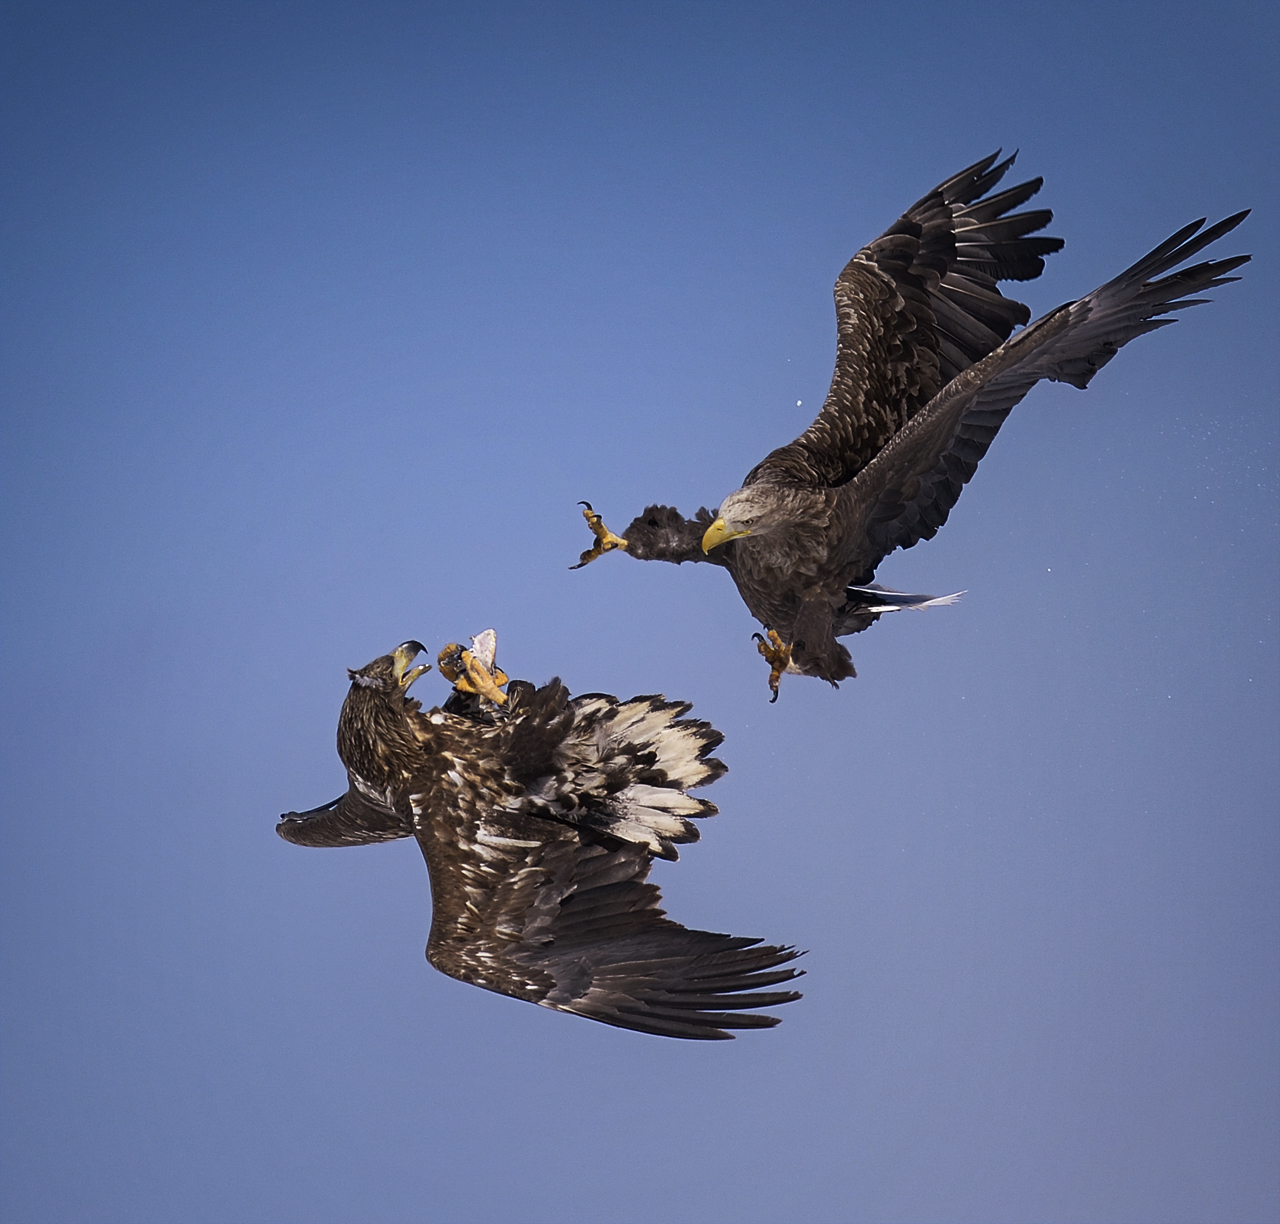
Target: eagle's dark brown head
column 375, row 736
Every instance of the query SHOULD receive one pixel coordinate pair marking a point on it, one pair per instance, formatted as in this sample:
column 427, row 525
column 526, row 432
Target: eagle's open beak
column 718, row 533
column 405, row 654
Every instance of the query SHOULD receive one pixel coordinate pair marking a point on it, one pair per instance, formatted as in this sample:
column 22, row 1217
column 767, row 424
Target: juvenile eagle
column 539, row 815
column 925, row 375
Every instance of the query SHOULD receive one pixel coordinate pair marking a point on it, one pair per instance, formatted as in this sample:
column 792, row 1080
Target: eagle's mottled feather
column 539, row 821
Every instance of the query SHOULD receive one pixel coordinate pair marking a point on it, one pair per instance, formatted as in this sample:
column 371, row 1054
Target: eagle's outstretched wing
column 914, row 308
column 547, row 913
column 905, row 494
column 349, row 820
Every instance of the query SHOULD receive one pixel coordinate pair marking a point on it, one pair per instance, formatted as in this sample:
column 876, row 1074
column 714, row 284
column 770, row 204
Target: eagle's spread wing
column 914, row 308
column 907, row 491
column 349, row 820
column 543, row 912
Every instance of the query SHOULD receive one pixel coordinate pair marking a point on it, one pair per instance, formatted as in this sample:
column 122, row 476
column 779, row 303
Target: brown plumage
column 926, row 373
column 538, row 821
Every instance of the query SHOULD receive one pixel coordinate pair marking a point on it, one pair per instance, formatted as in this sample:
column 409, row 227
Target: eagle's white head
column 753, row 511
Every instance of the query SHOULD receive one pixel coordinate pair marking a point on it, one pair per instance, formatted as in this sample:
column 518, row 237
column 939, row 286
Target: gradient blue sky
column 318, row 320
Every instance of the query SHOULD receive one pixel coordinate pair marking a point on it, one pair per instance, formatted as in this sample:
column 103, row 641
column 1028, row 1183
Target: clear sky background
column 318, row 320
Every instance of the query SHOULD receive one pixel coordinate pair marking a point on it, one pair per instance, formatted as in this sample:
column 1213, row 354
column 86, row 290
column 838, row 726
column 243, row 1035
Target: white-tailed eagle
column 538, row 815
column 927, row 369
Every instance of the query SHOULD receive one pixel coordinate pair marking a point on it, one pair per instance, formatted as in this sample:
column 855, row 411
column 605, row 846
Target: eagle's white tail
column 632, row 762
column 885, row 599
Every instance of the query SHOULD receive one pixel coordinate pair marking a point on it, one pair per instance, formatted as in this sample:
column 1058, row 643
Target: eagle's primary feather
column 927, row 369
column 539, row 820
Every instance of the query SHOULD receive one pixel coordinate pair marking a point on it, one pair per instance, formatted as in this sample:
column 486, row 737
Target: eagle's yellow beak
column 404, row 655
column 718, row 533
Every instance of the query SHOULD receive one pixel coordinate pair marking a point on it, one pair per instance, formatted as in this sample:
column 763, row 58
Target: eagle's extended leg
column 606, row 541
column 777, row 654
column 468, row 674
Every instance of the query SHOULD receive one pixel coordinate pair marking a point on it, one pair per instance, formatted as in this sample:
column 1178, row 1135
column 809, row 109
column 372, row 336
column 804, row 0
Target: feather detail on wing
column 555, row 917
column 905, row 494
column 913, row 309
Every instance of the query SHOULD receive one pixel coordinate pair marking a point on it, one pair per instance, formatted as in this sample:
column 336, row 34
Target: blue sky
column 318, row 321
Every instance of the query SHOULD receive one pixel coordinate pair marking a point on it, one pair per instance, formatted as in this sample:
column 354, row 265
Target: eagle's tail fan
column 667, row 749
column 875, row 598
column 630, row 764
column 864, row 605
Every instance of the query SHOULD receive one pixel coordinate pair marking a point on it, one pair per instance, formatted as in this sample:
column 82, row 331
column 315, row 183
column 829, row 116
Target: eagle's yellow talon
column 606, row 541
column 777, row 654
column 468, row 675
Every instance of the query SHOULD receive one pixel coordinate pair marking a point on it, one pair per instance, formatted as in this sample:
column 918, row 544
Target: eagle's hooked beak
column 718, row 533
column 404, row 654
